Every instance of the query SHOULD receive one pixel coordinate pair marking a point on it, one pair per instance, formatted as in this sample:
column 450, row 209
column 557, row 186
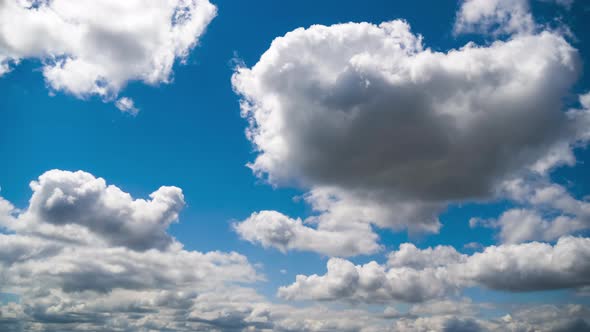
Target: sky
column 214, row 165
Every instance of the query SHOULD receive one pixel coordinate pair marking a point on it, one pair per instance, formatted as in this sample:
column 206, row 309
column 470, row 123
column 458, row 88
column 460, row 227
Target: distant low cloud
column 96, row 47
column 413, row 275
column 89, row 248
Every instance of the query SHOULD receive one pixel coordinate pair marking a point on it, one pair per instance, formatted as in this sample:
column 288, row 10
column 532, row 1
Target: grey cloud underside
column 373, row 110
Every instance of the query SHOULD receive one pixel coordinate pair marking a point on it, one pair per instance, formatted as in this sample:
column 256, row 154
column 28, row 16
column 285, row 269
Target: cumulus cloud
column 381, row 130
column 97, row 47
column 273, row 229
column 78, row 207
column 547, row 212
column 414, row 275
column 544, row 318
column 494, row 16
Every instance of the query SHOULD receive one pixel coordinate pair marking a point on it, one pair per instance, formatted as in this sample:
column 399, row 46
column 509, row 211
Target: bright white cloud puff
column 97, row 47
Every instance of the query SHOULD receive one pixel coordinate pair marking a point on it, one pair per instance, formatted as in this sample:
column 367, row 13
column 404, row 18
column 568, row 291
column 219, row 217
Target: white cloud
column 435, row 273
column 126, row 105
column 78, row 207
column 371, row 283
column 384, row 131
column 86, row 256
column 542, row 318
column 97, row 47
column 273, row 229
column 546, row 212
column 522, row 225
column 83, row 249
column 494, row 16
column 499, row 17
column 69, row 275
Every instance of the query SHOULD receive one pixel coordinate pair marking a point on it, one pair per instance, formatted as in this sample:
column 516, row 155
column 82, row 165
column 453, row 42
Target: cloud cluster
column 546, row 212
column 413, row 275
column 97, row 47
column 78, row 207
column 84, row 254
column 273, row 229
column 386, row 132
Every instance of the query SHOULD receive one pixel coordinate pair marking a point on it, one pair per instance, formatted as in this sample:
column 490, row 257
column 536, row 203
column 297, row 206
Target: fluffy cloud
column 126, row 105
column 498, row 17
column 546, row 318
column 384, row 131
column 273, row 229
column 84, row 254
column 414, row 275
column 547, row 212
column 78, row 207
column 70, row 274
column 495, row 16
column 371, row 283
column 96, row 47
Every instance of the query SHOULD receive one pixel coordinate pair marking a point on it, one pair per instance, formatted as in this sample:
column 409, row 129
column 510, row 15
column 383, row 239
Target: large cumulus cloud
column 382, row 130
column 97, row 47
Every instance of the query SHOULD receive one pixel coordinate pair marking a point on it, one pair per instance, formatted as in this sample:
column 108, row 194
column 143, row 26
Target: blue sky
column 189, row 133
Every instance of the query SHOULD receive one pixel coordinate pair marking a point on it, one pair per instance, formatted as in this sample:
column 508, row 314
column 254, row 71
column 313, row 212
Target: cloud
column 495, row 17
column 381, row 130
column 85, row 255
column 499, row 17
column 78, row 207
column 414, row 275
column 97, row 47
column 545, row 318
column 371, row 283
column 68, row 274
column 273, row 229
column 126, row 105
column 545, row 211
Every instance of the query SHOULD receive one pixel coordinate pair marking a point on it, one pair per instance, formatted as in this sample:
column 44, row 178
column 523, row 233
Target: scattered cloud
column 126, row 105
column 96, row 47
column 414, row 275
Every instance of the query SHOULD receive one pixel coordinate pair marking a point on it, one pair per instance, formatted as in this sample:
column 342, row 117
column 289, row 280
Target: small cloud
column 283, row 271
column 473, row 246
column 126, row 105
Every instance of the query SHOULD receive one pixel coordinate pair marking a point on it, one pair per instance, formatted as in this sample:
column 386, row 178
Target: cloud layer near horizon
column 60, row 258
